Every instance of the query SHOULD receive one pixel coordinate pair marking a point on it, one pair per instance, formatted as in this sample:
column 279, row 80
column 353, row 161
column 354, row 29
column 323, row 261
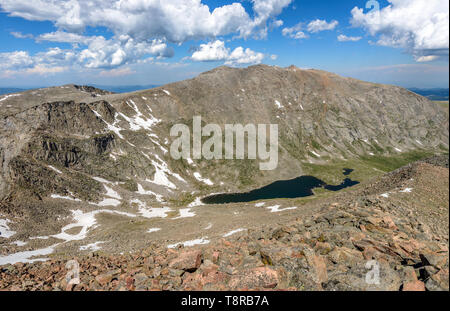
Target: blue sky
column 131, row 42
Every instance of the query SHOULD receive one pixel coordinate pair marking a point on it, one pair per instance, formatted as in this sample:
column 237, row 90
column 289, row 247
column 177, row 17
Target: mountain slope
column 124, row 138
column 397, row 223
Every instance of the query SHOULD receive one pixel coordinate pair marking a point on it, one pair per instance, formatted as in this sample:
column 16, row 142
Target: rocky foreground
column 341, row 247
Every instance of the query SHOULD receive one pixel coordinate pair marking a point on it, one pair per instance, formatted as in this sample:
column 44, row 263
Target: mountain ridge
column 320, row 114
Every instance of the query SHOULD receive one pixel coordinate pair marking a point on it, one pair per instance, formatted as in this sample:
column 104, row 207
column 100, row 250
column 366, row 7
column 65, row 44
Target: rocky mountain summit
column 84, row 169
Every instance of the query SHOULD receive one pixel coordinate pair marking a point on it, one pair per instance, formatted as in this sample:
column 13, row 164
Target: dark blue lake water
column 285, row 189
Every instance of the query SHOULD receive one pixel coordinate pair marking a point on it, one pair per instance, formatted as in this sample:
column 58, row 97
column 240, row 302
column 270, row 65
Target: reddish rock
column 188, row 261
column 370, row 253
column 215, row 257
column 409, row 274
column 192, row 282
column 319, row 267
column 262, row 277
column 442, row 278
column 416, row 286
column 322, row 246
column 434, row 259
column 130, row 283
column 389, row 223
column 103, row 279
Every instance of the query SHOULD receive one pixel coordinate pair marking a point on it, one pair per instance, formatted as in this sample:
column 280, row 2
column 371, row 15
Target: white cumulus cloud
column 212, row 51
column 315, row 26
column 54, row 60
column 344, row 38
column 239, row 56
column 217, row 51
column 172, row 20
column 103, row 53
column 319, row 25
column 295, row 32
column 264, row 10
column 418, row 26
column 144, row 27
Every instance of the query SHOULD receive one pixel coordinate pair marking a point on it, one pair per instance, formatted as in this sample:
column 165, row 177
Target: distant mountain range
column 432, row 94
column 8, row 90
column 125, row 88
column 111, row 88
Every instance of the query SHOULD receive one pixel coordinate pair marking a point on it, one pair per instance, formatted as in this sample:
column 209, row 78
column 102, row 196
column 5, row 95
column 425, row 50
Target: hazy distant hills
column 125, row 88
column 110, row 88
column 432, row 94
column 8, row 90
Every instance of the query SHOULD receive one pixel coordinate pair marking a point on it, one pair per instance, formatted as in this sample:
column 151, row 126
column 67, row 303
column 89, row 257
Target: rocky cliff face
column 124, row 138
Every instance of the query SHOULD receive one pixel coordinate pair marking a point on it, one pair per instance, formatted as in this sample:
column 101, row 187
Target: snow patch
column 151, row 230
column 85, row 221
column 209, row 226
column 260, row 204
column 162, row 170
column 54, row 169
column 111, row 127
column 190, row 161
column 157, row 143
column 160, row 177
column 407, row 190
column 277, row 209
column 149, row 212
column 5, row 231
column 70, row 198
column 197, row 202
column 111, row 193
column 101, row 180
column 233, row 232
column 19, row 243
column 91, row 247
column 107, row 202
column 139, row 121
column 201, row 241
column 9, row 96
column 142, row 191
column 185, row 213
column 198, row 176
column 40, row 238
column 25, row 256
